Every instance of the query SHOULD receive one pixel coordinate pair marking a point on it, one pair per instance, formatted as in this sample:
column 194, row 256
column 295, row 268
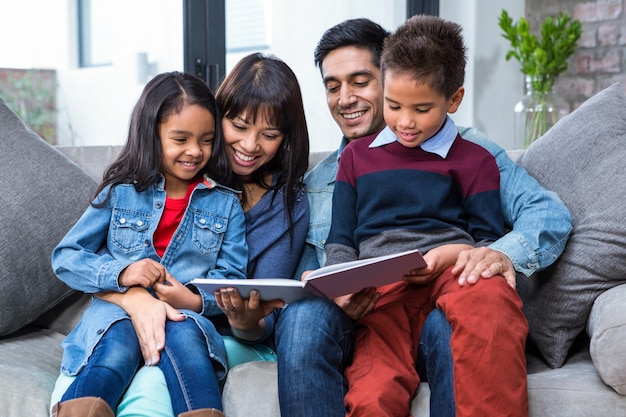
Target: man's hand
column 483, row 262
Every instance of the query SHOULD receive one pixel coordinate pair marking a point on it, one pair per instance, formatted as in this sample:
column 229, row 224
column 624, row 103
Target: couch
column 576, row 309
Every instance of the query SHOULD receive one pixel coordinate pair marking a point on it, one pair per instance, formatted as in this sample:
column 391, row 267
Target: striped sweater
column 393, row 198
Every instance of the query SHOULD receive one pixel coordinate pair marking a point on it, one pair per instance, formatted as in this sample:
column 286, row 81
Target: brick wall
column 600, row 59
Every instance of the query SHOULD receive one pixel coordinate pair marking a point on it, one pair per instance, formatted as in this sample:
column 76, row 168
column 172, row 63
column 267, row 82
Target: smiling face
column 415, row 111
column 186, row 145
column 250, row 145
column 354, row 91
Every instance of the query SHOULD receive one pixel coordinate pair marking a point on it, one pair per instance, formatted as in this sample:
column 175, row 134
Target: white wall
column 492, row 84
column 298, row 26
column 95, row 103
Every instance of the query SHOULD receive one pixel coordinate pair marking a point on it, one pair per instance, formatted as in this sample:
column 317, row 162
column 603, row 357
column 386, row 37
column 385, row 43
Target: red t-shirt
column 173, row 213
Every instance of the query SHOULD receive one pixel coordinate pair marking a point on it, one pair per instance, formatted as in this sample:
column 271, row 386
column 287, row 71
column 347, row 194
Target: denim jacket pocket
column 208, row 231
column 129, row 229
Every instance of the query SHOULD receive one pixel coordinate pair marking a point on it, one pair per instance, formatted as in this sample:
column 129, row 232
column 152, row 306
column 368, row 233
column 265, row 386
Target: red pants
column 488, row 340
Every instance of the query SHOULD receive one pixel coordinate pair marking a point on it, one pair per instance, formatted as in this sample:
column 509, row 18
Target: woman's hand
column 148, row 316
column 245, row 316
column 483, row 262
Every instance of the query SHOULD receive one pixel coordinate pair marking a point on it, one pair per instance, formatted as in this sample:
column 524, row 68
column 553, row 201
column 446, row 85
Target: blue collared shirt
column 439, row 144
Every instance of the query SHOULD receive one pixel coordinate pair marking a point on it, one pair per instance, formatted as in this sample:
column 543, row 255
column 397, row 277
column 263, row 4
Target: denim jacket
column 539, row 222
column 319, row 184
column 210, row 241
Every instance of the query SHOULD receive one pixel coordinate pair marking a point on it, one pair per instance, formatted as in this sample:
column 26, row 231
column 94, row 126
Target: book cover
column 329, row 281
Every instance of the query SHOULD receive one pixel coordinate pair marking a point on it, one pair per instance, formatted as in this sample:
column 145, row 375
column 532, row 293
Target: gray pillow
column 42, row 194
column 607, row 328
column 582, row 159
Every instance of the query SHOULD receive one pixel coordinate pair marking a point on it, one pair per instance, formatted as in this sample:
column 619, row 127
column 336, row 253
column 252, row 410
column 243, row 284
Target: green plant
column 546, row 57
column 542, row 59
column 31, row 94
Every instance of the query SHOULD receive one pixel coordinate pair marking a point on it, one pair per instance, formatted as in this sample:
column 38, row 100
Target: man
column 348, row 56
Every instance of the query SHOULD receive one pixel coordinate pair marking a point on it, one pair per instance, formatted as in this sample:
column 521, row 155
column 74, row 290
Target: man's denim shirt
column 319, row 184
column 210, row 241
column 538, row 221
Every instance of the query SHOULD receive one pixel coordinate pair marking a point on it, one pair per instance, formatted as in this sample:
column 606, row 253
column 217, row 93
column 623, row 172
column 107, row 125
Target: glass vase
column 535, row 113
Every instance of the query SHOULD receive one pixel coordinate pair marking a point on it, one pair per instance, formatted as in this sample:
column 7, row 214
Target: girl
column 159, row 219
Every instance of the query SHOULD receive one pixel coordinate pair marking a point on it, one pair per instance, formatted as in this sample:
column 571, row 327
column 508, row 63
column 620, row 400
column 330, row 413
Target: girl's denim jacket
column 210, row 242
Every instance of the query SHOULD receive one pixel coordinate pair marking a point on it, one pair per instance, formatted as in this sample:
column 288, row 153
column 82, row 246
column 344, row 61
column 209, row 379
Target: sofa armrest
column 607, row 329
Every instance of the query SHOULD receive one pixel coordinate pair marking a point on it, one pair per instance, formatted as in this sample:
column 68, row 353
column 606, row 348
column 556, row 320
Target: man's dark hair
column 362, row 33
column 429, row 49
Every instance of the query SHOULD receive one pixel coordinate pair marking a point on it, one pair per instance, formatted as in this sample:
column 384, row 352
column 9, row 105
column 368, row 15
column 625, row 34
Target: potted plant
column 542, row 59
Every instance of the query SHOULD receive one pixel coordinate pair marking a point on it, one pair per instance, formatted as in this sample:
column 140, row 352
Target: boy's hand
column 358, row 304
column 437, row 260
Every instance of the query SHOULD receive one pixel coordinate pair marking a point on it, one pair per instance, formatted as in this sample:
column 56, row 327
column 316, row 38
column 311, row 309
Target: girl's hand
column 177, row 295
column 245, row 316
column 144, row 273
column 148, row 316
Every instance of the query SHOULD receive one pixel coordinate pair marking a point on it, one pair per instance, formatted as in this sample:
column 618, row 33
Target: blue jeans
column 111, row 367
column 435, row 363
column 314, row 343
column 185, row 364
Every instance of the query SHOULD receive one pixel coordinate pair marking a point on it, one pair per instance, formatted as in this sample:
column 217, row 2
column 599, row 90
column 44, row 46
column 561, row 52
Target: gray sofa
column 576, row 309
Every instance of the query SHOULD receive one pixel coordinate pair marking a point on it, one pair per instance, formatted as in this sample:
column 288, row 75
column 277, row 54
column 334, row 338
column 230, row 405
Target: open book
column 329, row 281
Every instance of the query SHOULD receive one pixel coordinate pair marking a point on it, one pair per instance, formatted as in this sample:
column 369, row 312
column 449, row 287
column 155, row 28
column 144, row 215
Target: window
column 97, row 55
column 95, row 32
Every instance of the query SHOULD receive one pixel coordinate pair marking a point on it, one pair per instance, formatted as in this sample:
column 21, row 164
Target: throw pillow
column 42, row 194
column 607, row 328
column 581, row 159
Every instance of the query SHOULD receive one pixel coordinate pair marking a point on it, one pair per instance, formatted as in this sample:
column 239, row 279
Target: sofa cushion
column 607, row 329
column 582, row 159
column 42, row 194
column 30, row 365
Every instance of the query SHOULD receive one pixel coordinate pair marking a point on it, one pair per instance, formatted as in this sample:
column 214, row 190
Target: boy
column 417, row 184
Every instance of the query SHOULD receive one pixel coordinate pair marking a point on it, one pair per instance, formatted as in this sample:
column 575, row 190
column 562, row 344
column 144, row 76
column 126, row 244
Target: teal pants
column 147, row 394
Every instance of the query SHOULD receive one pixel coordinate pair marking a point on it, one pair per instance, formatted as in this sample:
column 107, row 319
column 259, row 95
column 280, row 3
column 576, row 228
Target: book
column 329, row 281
